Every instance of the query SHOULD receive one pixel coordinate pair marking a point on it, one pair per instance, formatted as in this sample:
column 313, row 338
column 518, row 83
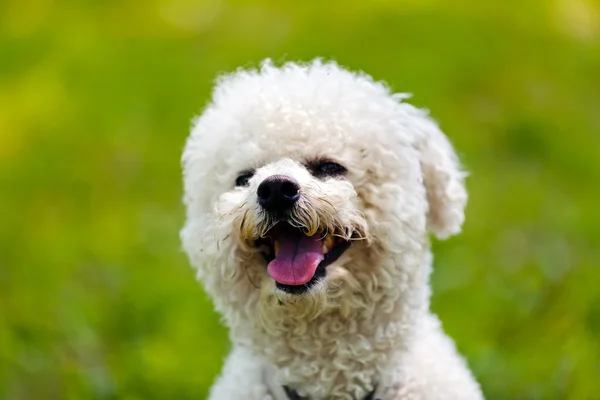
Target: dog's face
column 295, row 216
column 300, row 181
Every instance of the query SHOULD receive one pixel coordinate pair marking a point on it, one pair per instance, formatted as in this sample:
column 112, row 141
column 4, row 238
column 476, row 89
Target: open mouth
column 297, row 261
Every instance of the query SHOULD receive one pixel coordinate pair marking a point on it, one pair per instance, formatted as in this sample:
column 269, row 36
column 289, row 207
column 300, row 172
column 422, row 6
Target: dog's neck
column 347, row 347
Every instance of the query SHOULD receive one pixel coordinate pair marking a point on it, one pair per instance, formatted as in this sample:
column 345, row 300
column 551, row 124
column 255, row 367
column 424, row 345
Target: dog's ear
column 444, row 182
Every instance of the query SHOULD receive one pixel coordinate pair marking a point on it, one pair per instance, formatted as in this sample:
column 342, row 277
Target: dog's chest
column 331, row 359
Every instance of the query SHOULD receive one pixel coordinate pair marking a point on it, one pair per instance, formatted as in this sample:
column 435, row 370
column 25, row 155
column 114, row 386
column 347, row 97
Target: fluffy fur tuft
column 367, row 322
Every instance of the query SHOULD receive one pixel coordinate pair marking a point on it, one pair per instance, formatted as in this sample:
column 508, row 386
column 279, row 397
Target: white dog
column 310, row 192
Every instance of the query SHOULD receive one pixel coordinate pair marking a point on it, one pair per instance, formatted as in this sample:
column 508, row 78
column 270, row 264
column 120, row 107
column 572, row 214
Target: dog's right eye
column 244, row 178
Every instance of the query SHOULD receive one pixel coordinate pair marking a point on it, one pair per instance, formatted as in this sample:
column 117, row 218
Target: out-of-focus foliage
column 98, row 302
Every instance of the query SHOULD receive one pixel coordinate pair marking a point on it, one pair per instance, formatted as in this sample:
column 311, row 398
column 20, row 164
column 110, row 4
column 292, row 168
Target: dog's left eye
column 323, row 169
column 244, row 178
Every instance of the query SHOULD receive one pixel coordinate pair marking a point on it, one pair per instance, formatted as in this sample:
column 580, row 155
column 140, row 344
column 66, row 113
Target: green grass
column 97, row 300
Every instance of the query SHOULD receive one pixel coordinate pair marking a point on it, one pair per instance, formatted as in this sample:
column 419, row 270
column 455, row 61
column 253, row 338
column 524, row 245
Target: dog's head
column 304, row 181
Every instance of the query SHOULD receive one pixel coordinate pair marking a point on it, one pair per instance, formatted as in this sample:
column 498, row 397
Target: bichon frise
column 310, row 192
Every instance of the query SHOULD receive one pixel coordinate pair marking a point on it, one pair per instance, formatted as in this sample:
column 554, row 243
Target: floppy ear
column 444, row 182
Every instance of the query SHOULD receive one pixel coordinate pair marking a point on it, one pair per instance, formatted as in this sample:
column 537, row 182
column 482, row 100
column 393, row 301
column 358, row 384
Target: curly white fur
column 367, row 324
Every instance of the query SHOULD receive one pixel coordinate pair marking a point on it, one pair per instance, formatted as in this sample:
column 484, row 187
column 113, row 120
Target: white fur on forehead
column 294, row 81
column 298, row 101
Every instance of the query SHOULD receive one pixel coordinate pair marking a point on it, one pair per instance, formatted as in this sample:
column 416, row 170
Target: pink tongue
column 297, row 259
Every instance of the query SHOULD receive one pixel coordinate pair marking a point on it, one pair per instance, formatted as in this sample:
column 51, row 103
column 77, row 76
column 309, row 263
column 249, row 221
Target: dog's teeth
column 276, row 246
column 327, row 243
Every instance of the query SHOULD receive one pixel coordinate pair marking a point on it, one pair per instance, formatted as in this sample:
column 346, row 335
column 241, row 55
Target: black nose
column 278, row 193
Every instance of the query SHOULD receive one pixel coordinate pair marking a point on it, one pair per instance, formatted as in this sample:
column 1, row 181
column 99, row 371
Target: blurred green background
column 98, row 302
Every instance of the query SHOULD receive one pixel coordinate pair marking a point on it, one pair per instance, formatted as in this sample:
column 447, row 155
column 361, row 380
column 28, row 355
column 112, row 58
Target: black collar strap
column 293, row 395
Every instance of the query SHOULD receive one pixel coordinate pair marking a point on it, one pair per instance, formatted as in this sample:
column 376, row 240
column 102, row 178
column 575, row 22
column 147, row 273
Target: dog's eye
column 323, row 169
column 244, row 178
